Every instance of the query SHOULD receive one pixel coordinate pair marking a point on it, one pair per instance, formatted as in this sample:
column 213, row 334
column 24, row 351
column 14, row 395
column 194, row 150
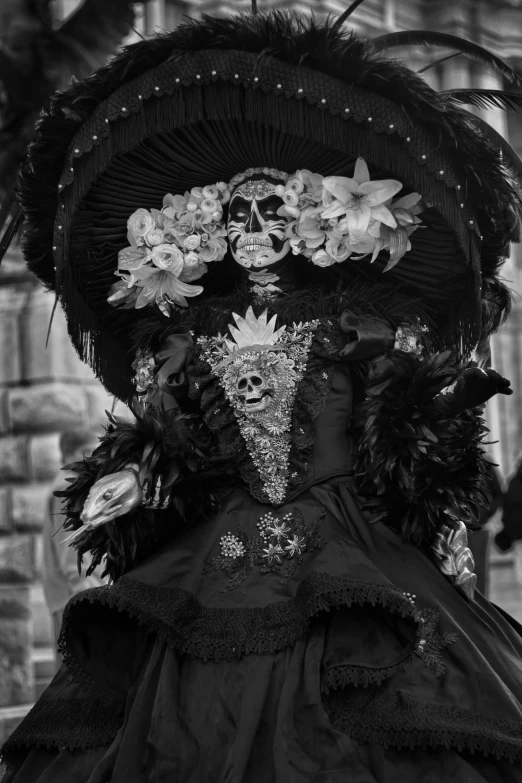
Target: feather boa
column 167, row 443
column 417, row 466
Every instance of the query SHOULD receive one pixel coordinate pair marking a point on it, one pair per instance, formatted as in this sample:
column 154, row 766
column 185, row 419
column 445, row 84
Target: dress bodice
column 331, row 452
column 298, row 431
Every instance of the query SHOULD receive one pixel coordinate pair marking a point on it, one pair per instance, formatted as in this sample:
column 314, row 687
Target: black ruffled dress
column 284, row 644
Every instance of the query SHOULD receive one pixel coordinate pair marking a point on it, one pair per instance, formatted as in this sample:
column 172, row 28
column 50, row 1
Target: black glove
column 503, row 541
column 474, row 387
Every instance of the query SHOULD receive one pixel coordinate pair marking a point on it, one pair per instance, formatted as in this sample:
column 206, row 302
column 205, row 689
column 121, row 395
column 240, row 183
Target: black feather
column 345, row 14
column 437, row 62
column 175, row 439
column 446, row 41
column 486, row 99
column 510, row 157
column 417, row 469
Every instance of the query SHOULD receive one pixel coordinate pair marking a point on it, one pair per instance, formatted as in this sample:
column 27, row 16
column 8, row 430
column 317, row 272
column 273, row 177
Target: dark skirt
column 352, row 659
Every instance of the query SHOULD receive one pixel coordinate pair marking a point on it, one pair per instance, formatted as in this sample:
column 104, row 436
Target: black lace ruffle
column 177, row 617
column 392, row 718
column 344, row 675
column 88, row 721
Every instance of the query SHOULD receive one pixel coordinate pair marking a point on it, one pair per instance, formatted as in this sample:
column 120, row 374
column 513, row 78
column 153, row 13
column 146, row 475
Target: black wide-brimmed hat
column 218, row 96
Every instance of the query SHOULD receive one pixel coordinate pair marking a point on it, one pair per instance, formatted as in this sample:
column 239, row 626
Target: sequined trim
column 279, row 367
column 279, row 547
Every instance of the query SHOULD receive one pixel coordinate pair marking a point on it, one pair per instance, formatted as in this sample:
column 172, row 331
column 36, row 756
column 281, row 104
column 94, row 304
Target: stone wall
column 44, row 390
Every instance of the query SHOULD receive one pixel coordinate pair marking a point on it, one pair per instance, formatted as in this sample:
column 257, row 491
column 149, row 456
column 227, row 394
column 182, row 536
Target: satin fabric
column 263, row 718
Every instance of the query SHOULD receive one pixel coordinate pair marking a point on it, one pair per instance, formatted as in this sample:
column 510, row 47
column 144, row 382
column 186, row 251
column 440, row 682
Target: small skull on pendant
column 253, row 392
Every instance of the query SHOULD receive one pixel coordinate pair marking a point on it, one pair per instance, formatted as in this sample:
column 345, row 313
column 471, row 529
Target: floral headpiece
column 332, row 219
column 335, row 218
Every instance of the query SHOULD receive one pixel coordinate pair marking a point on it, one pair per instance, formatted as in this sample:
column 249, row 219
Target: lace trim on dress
column 341, row 676
column 177, row 617
column 429, row 646
column 80, row 723
column 392, row 718
column 309, row 402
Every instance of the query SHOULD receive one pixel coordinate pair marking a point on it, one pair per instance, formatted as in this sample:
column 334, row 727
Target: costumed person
column 60, row 576
column 280, row 248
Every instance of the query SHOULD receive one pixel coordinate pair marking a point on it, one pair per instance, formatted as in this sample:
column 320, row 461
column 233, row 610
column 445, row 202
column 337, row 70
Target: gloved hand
column 503, row 541
column 472, row 388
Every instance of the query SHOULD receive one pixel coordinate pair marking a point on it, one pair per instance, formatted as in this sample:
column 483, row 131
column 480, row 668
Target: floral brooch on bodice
column 259, row 368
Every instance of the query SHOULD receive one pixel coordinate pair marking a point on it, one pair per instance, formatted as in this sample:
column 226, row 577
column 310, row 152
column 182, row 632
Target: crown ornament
column 252, row 332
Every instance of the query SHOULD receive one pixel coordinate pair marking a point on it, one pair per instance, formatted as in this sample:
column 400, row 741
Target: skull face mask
column 256, row 232
column 259, row 384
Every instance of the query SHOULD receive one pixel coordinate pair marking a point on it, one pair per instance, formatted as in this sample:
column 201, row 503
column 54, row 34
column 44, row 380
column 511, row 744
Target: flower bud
column 209, row 205
column 321, row 258
column 210, row 191
column 191, row 259
column 197, row 193
column 403, row 217
column 280, row 190
column 296, row 185
column 290, row 198
column 191, row 206
column 192, row 242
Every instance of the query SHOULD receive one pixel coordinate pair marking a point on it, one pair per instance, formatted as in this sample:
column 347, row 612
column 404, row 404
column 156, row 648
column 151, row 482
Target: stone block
column 43, row 629
column 11, row 301
column 16, row 641
column 17, row 559
column 98, row 402
column 48, row 406
column 45, row 459
column 6, row 524
column 30, row 506
column 13, row 458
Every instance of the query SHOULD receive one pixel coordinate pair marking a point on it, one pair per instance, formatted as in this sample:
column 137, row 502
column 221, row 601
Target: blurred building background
column 45, row 390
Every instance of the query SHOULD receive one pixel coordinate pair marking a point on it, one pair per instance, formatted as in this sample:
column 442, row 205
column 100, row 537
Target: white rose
column 295, row 184
column 139, row 224
column 154, row 237
column 210, row 205
column 168, row 257
column 321, row 258
column 191, row 259
column 192, row 242
column 290, row 198
column 210, row 191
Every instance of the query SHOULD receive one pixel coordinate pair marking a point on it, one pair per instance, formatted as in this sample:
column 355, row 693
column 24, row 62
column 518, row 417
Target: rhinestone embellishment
column 259, row 372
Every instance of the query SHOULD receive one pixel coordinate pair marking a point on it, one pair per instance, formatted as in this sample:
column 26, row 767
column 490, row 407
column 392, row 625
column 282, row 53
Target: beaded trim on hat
column 266, row 170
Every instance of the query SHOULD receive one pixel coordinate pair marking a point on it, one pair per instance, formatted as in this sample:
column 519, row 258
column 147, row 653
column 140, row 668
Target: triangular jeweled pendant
column 259, row 370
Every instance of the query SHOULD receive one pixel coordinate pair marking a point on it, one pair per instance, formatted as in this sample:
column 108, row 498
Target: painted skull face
column 256, row 232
